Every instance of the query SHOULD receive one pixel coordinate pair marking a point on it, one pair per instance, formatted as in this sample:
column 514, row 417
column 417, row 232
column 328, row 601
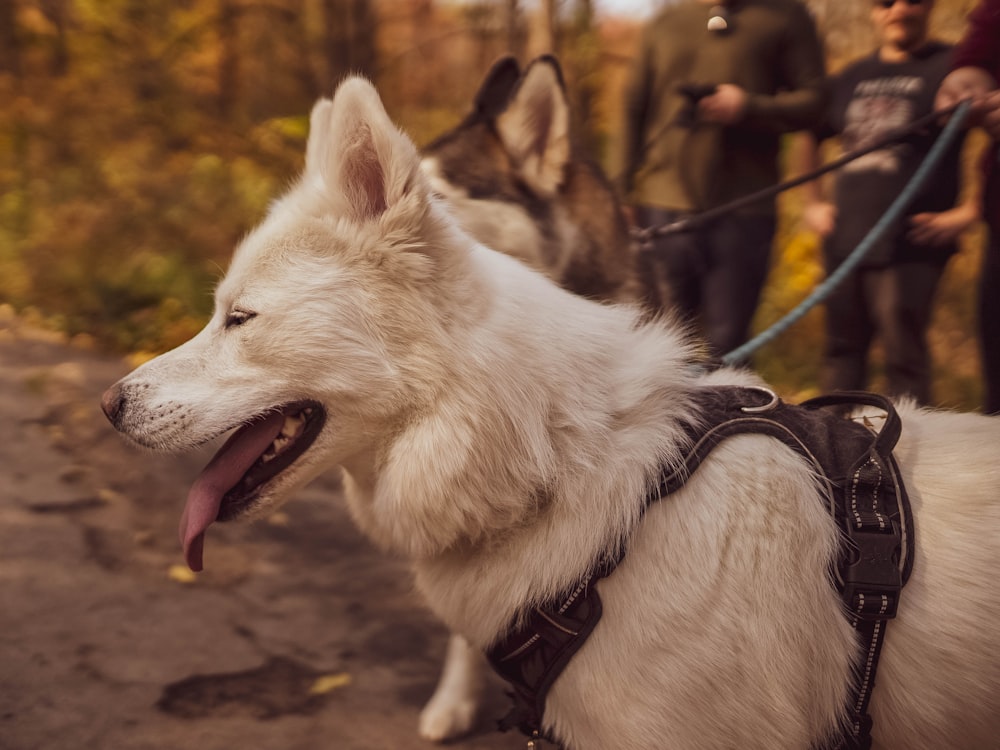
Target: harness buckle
column 535, row 741
column 872, row 579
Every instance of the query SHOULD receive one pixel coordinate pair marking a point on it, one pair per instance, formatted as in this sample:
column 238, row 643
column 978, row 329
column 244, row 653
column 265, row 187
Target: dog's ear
column 496, row 88
column 358, row 157
column 319, row 133
column 535, row 126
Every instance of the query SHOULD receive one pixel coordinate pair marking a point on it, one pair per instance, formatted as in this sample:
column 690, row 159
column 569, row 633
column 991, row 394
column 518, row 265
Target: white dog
column 503, row 433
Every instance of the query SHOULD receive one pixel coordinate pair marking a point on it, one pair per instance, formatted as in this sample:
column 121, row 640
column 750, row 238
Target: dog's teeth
column 293, row 426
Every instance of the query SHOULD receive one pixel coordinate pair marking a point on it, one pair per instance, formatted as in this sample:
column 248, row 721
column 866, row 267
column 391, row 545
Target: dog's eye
column 238, row 318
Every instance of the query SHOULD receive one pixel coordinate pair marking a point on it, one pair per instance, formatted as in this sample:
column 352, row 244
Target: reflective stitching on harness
column 553, row 623
column 876, row 494
column 854, row 499
column 532, row 655
column 572, row 597
column 865, row 685
column 524, row 647
column 710, row 434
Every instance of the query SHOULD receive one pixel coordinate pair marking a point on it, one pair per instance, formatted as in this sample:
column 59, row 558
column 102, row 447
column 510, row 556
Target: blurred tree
column 229, row 56
column 583, row 59
column 349, row 39
column 515, row 28
column 57, row 12
column 545, row 38
column 139, row 139
column 10, row 43
column 303, row 66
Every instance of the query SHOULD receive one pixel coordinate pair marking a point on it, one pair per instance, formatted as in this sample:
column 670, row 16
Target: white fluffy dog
column 503, row 433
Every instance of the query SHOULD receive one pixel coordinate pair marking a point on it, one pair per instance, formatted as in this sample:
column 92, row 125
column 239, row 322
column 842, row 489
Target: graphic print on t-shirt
column 879, row 106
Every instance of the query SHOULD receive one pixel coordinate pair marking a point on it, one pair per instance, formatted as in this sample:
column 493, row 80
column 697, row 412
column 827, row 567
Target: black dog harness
column 866, row 498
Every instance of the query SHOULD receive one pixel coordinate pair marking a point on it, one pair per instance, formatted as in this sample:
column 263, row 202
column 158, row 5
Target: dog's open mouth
column 253, row 455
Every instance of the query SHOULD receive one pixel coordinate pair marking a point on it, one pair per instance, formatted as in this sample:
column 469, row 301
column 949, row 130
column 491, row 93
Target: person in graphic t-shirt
column 890, row 294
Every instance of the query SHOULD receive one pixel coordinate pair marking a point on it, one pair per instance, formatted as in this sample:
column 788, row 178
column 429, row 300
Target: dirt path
column 298, row 636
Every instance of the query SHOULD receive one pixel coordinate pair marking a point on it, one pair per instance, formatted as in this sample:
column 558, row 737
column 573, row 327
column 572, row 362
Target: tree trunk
column 515, row 34
column 304, row 70
column 56, row 12
column 585, row 61
column 335, row 43
column 229, row 57
column 363, row 55
column 349, row 39
column 10, row 44
column 545, row 37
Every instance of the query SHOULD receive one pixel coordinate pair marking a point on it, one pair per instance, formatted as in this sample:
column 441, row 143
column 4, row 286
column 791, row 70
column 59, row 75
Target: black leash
column 696, row 221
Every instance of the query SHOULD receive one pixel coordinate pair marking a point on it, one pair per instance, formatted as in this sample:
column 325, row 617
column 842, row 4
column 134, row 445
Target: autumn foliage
column 139, row 139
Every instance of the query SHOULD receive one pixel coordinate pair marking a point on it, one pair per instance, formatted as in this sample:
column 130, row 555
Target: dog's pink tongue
column 225, row 469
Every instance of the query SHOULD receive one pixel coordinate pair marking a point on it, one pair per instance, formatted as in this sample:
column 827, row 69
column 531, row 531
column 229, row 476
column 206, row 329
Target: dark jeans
column 895, row 303
column 712, row 276
column 989, row 322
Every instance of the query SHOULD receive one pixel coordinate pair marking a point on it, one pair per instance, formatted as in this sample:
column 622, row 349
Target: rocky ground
column 298, row 635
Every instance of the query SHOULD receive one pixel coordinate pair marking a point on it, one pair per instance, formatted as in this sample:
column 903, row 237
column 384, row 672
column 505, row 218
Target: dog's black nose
column 112, row 402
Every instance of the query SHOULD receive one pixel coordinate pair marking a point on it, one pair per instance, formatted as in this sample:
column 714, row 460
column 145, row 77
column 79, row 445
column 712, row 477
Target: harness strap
column 865, row 495
column 530, row 658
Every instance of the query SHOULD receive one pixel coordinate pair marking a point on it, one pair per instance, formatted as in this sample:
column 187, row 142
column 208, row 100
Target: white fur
column 501, row 433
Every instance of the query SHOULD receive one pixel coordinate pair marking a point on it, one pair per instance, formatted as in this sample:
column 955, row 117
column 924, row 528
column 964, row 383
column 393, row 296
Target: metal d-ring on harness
column 865, row 496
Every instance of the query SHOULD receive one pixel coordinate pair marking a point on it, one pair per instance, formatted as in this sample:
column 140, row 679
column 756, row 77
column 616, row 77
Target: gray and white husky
column 501, row 433
column 517, row 182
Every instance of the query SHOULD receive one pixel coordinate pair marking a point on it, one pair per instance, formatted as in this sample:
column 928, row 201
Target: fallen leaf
column 329, row 682
column 181, row 574
column 278, row 519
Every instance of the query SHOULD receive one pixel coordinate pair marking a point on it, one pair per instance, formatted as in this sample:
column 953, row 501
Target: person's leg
column 903, row 305
column 738, row 253
column 989, row 322
column 848, row 334
column 669, row 269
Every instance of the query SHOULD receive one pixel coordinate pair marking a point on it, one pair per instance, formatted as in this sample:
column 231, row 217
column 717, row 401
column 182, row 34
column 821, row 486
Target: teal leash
column 742, row 353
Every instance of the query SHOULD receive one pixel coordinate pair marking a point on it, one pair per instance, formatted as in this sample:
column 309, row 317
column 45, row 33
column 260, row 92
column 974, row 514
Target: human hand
column 991, row 115
column 963, row 83
column 976, row 85
column 628, row 212
column 941, row 228
column 820, row 217
column 726, row 106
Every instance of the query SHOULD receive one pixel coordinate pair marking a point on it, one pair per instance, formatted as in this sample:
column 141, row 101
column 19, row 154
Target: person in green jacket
column 712, row 89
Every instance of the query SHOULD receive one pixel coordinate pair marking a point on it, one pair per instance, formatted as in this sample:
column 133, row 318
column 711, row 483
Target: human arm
column 979, row 47
column 800, row 95
column 944, row 227
column 990, row 114
column 976, row 69
column 636, row 107
column 936, row 228
column 727, row 105
column 977, row 86
column 818, row 213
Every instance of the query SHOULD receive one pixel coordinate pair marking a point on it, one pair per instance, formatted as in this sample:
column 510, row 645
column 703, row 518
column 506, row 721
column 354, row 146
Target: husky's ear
column 496, row 88
column 319, row 136
column 363, row 163
column 535, row 126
